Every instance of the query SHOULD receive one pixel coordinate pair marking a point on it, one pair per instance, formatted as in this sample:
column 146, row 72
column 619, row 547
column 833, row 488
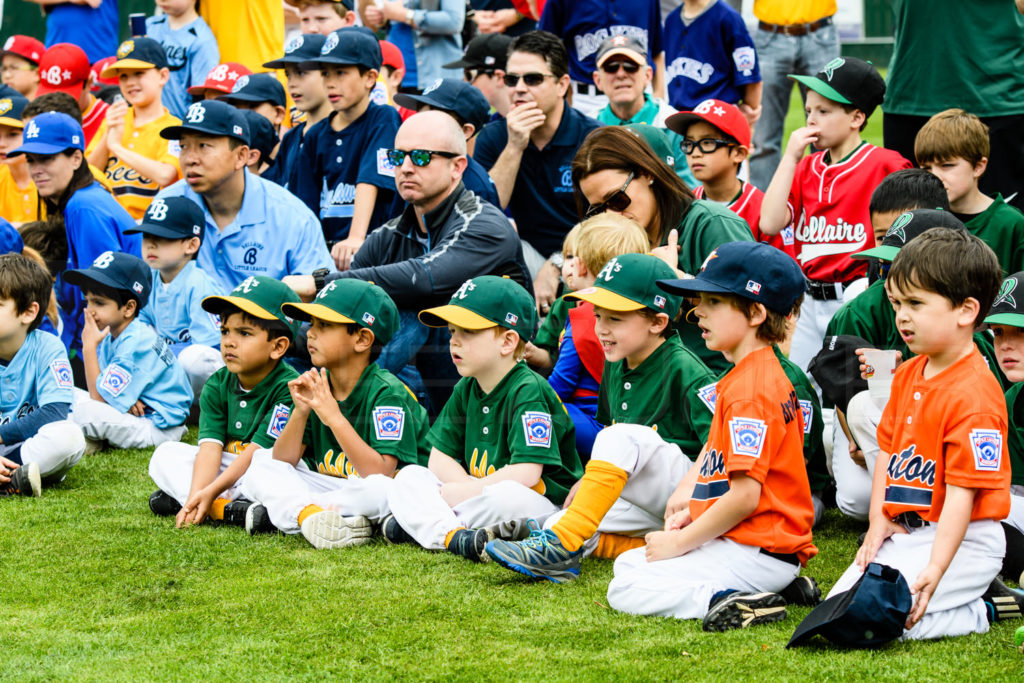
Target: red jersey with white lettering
column 758, row 430
column 747, row 205
column 93, row 117
column 829, row 203
column 950, row 429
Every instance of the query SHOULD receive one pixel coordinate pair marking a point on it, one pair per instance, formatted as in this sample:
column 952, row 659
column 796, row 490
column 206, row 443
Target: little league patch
column 747, row 436
column 537, row 427
column 987, row 446
column 115, row 379
column 61, row 370
column 388, row 423
column 278, row 419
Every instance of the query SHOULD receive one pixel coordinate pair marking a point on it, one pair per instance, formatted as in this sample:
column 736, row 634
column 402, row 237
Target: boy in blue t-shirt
column 191, row 50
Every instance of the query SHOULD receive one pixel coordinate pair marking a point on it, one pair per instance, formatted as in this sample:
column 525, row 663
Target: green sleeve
column 551, row 330
column 390, row 426
column 699, row 412
column 279, row 406
column 704, row 227
column 534, row 430
column 213, row 409
column 448, row 434
column 814, row 447
column 1015, row 427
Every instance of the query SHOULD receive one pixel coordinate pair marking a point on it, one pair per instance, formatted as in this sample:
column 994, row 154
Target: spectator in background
column 64, row 104
column 428, row 38
column 323, row 16
column 92, row 26
column 190, row 46
column 65, row 68
column 250, row 32
column 392, row 71
column 19, row 65
column 219, row 81
column 501, row 16
column 483, row 66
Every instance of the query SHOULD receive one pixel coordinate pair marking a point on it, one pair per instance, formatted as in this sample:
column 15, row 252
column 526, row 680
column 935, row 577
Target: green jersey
column 667, row 392
column 1015, row 442
column 234, row 417
column 521, row 420
column 550, row 331
column 384, row 413
column 1001, row 227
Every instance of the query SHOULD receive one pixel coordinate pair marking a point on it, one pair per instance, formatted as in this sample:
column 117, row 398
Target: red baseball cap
column 221, row 78
column 724, row 116
column 63, row 68
column 97, row 70
column 25, row 47
column 392, row 55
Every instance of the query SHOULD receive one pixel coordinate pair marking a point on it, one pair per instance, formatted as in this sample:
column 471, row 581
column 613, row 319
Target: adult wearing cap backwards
column 65, row 68
column 483, row 67
column 429, row 33
column 94, row 222
column 253, row 226
column 90, row 25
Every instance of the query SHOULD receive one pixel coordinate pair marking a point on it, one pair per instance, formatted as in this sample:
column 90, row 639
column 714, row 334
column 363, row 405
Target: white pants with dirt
column 170, row 468
column 199, row 363
column 55, row 448
column 682, row 587
column 415, row 501
column 104, row 422
column 285, row 490
column 956, row 607
column 853, row 482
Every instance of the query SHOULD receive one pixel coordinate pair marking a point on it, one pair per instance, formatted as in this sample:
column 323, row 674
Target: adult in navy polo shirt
column 253, row 226
column 529, row 154
column 469, row 108
column 584, row 24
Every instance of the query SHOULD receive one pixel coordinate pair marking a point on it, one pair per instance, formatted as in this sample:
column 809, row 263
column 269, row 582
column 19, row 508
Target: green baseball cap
column 351, row 301
column 628, row 283
column 656, row 139
column 1008, row 308
column 487, row 301
column 259, row 296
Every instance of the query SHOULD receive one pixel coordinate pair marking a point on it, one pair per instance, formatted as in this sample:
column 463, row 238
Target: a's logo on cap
column 293, row 45
column 329, row 44
column 432, row 87
column 125, row 49
column 1006, row 293
column 830, row 68
column 240, row 83
column 512, row 319
column 328, row 288
column 103, row 260
column 5, row 106
column 247, row 285
column 609, row 270
column 465, row 289
column 896, row 229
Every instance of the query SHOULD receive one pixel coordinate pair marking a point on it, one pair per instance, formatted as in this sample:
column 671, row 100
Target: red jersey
column 588, row 348
column 758, row 430
column 747, row 205
column 950, row 429
column 829, row 204
column 93, row 117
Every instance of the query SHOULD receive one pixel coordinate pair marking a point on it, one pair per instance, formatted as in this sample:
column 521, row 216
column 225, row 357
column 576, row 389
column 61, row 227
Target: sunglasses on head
column 613, row 67
column 707, row 145
column 419, row 157
column 617, row 201
column 532, row 79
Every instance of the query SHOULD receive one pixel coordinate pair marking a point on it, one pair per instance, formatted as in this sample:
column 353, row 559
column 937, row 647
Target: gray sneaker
column 25, row 481
column 328, row 530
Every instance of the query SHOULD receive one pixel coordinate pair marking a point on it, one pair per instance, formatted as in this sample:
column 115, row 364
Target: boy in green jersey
column 352, row 426
column 503, row 447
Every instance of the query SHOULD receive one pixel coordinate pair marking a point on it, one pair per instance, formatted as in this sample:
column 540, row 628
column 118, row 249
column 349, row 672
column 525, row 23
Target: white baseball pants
column 104, row 422
column 56, row 448
column 853, row 482
column 170, row 468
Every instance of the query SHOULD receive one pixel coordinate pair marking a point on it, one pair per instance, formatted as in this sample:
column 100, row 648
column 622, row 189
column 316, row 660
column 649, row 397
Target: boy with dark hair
column 138, row 394
column 244, row 407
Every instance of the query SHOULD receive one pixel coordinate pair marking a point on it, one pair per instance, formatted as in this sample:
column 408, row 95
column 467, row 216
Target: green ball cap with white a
column 259, row 296
column 1008, row 308
column 487, row 301
column 351, row 301
column 628, row 283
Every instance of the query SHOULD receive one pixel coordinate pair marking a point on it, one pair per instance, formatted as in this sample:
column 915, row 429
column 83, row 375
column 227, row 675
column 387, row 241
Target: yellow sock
column 307, row 511
column 448, row 536
column 217, row 509
column 600, row 488
column 610, row 546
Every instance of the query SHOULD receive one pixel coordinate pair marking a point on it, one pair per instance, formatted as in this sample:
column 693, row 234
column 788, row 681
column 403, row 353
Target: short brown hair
column 775, row 326
column 952, row 263
column 339, row 7
column 24, row 281
column 950, row 134
column 605, row 236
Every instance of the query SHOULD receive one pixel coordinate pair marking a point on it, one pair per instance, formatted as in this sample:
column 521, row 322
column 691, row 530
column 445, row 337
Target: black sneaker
column 802, row 591
column 163, row 505
column 25, row 481
column 257, row 520
column 1013, row 561
column 235, row 511
column 470, row 544
column 393, row 532
column 741, row 610
column 1003, row 602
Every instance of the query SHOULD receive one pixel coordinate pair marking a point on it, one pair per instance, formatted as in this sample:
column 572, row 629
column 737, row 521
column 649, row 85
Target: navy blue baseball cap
column 302, row 48
column 50, row 133
column 262, row 135
column 257, row 88
column 210, row 117
column 11, row 107
column 137, row 53
column 176, row 218
column 350, row 46
column 869, row 615
column 752, row 270
column 10, row 239
column 453, row 96
column 118, row 271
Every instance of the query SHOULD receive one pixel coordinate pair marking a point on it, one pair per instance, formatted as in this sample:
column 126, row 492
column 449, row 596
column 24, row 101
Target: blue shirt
column 174, row 309
column 401, row 35
column 93, row 30
column 287, row 153
column 139, row 365
column 39, row 374
column 584, row 24
column 191, row 53
column 274, row 234
column 478, row 180
column 94, row 223
column 542, row 202
column 333, row 162
column 713, row 57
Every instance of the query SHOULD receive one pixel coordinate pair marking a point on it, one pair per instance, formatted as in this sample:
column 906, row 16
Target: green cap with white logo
column 487, row 301
column 906, row 227
column 628, row 283
column 259, row 296
column 351, row 301
column 1008, row 308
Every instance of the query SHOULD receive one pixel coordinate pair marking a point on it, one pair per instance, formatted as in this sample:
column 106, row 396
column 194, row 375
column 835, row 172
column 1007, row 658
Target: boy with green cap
column 244, row 406
column 657, row 395
column 503, row 448
column 352, row 426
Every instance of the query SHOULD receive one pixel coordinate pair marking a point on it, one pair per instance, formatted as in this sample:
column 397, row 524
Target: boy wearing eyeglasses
column 343, row 173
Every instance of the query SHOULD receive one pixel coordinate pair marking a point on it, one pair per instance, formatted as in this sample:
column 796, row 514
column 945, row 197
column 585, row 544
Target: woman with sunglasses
column 614, row 170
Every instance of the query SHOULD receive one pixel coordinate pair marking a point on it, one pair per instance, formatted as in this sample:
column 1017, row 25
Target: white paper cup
column 881, row 366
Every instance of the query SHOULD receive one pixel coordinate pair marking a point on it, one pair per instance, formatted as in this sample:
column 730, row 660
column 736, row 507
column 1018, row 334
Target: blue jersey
column 584, row 24
column 174, row 309
column 140, row 366
column 274, row 234
column 94, row 223
column 713, row 57
column 478, row 180
column 191, row 53
column 332, row 163
column 92, row 29
column 287, row 154
column 38, row 374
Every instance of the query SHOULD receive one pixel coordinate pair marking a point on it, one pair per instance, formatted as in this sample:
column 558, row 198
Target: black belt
column 795, row 29
column 788, row 558
column 911, row 520
column 826, row 291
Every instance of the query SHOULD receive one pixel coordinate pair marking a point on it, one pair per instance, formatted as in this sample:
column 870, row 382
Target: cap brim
column 884, row 253
column 821, row 87
column 634, row 56
column 246, row 97
column 215, row 304
column 282, row 62
column 84, row 276
column 157, row 230
column 305, row 312
column 123, row 64
column 820, row 618
column 606, row 299
column 1012, row 319
column 463, row 64
column 694, row 285
column 13, row 123
column 683, row 120
column 440, row 316
column 414, row 101
column 334, row 61
column 39, row 148
column 201, row 89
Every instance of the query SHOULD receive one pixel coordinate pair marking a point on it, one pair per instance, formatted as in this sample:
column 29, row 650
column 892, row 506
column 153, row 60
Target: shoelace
column 538, row 537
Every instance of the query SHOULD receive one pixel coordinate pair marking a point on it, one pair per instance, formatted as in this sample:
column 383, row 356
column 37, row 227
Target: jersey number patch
column 537, row 427
column 388, row 423
column 115, row 379
column 278, row 419
column 747, row 436
column 987, row 446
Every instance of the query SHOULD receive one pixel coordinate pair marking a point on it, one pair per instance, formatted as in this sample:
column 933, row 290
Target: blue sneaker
column 540, row 556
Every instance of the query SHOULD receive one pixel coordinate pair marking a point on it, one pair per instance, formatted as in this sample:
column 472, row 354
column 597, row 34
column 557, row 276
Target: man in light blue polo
column 253, row 226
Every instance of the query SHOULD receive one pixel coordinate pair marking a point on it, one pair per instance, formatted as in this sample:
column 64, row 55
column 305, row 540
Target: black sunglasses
column 707, row 145
column 532, row 79
column 419, row 157
column 613, row 67
column 617, row 201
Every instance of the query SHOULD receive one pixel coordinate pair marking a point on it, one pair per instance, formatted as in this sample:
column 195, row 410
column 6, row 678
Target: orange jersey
column 758, row 430
column 17, row 204
column 950, row 429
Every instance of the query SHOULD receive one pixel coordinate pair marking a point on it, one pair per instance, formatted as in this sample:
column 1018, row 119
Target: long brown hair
column 82, row 177
column 613, row 147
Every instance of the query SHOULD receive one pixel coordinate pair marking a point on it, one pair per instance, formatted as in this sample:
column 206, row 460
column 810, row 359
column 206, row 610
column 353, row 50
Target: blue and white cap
column 350, row 46
column 118, row 271
column 50, row 133
column 301, row 48
column 210, row 117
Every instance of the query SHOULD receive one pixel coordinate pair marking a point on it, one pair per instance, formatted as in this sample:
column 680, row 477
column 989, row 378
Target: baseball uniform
column 17, row 204
column 551, row 329
column 576, row 377
column 757, row 431
column 1001, row 227
column 93, row 118
column 747, row 205
column 949, row 429
column 191, row 53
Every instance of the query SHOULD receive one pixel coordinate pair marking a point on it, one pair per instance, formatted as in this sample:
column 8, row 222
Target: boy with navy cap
column 343, row 174
column 138, row 394
column 263, row 94
column 172, row 232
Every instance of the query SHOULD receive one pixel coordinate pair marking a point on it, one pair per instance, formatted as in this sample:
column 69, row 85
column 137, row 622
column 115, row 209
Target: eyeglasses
column 532, row 79
column 707, row 145
column 613, row 67
column 617, row 201
column 419, row 157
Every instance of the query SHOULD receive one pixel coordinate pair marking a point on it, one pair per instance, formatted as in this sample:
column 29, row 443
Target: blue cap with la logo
column 210, row 117
column 50, row 133
column 174, row 218
column 116, row 270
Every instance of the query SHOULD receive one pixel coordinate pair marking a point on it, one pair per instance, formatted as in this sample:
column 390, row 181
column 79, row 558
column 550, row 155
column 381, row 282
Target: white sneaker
column 328, row 529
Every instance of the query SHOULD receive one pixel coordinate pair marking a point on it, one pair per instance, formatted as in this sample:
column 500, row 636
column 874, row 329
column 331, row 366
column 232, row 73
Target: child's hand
column 857, row 456
column 923, row 588
column 195, row 509
column 301, row 392
column 321, row 400
column 662, row 545
column 877, row 533
column 670, row 252
column 92, row 335
column 678, row 519
column 751, row 114
column 7, row 468
column 138, row 409
column 115, row 122
column 798, row 141
column 864, row 367
column 677, row 502
column 572, row 494
column 455, row 492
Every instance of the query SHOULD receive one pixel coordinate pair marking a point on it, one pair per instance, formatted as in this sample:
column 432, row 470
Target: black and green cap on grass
column 487, row 301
